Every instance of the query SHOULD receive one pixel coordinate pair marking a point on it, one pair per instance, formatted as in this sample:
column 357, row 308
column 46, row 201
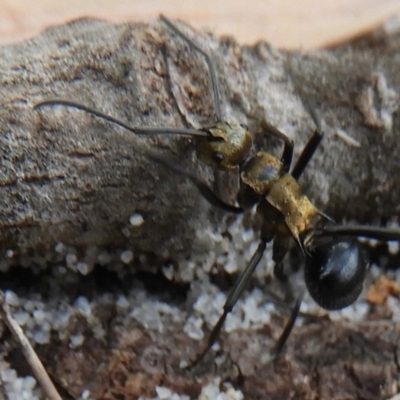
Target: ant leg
column 315, row 139
column 233, row 297
column 288, row 329
column 279, row 273
column 209, row 61
column 279, row 250
column 371, row 232
column 203, row 188
column 306, row 154
column 287, row 155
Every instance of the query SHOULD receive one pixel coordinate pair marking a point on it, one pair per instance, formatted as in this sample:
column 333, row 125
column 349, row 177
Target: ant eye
column 218, row 157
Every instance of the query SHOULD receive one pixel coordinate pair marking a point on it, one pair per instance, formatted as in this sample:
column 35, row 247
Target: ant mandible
column 335, row 266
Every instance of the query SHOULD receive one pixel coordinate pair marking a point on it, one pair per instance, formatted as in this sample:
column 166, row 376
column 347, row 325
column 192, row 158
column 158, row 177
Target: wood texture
column 66, row 176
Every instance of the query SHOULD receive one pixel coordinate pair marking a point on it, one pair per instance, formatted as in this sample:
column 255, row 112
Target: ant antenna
column 139, row 130
column 209, row 61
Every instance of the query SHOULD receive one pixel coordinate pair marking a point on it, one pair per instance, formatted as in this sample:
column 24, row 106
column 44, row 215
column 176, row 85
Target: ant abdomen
column 334, row 273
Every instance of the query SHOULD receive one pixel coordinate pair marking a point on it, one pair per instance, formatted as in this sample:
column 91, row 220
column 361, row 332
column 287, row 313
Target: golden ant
column 335, row 266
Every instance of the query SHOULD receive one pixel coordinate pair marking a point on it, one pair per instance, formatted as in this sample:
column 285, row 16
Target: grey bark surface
column 68, row 177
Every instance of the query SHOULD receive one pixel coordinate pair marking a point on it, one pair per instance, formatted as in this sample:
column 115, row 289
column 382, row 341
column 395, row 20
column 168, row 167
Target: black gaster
column 334, row 273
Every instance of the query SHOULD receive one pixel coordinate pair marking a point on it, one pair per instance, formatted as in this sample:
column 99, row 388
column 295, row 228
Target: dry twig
column 28, row 351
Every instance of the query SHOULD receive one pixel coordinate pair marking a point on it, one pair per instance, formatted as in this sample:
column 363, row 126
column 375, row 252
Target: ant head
column 335, row 273
column 227, row 146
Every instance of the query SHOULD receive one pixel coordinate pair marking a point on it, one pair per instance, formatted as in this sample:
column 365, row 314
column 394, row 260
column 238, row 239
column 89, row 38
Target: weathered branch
column 68, row 177
column 31, row 357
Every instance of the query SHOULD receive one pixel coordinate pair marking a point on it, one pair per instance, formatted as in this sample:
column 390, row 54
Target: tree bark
column 69, row 177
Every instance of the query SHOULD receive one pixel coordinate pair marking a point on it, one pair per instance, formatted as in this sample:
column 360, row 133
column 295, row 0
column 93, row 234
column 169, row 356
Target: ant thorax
column 264, row 174
column 261, row 172
column 299, row 213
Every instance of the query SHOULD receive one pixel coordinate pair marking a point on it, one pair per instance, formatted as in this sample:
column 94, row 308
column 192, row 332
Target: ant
column 335, row 266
